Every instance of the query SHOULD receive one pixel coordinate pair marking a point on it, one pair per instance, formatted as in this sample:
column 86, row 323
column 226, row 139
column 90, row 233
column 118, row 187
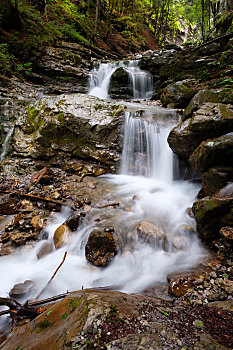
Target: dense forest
column 27, row 26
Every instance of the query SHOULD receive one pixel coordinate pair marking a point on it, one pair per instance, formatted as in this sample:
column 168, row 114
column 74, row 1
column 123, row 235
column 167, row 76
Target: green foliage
column 6, row 59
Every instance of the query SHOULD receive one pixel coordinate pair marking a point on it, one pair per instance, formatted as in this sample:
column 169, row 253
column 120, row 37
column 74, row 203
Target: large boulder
column 213, row 213
column 215, row 179
column 218, row 151
column 198, row 100
column 177, row 95
column 66, row 129
column 211, row 120
column 203, row 96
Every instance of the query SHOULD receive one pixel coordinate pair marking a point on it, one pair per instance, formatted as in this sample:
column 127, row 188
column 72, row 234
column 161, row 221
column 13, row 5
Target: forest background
column 28, row 26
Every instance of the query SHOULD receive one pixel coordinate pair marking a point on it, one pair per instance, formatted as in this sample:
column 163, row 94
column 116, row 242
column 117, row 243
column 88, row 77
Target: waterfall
column 139, row 81
column 7, row 128
column 5, row 143
column 145, row 149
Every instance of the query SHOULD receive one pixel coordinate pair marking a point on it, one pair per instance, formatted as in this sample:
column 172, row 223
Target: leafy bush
column 6, row 59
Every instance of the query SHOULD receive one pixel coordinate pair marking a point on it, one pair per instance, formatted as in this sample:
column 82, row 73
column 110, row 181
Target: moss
column 75, row 303
column 35, row 117
column 61, row 119
column 46, row 323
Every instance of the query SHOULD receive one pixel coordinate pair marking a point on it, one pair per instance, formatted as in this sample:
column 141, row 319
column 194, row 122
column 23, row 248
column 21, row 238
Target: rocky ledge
column 74, row 132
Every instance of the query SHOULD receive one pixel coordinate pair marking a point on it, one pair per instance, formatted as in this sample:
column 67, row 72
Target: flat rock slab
column 121, row 321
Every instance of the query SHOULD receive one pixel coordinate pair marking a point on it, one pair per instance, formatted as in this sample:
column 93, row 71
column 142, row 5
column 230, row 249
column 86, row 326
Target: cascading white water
column 146, row 188
column 141, row 82
column 5, row 143
column 145, row 150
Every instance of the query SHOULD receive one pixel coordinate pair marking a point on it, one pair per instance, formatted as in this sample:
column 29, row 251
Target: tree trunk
column 96, row 19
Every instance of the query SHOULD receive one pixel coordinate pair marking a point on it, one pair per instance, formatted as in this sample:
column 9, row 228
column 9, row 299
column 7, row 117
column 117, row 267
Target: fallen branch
column 25, row 311
column 114, row 204
column 48, row 300
column 37, row 297
column 35, row 197
column 18, row 311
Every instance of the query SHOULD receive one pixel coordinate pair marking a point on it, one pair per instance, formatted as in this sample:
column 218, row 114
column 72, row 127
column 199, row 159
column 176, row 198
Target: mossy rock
column 177, row 95
column 213, row 213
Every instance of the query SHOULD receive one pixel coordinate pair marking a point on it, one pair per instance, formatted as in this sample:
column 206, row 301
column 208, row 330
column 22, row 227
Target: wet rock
column 215, row 179
column 38, row 222
column 9, row 207
column 227, row 232
column 213, row 213
column 211, row 120
column 20, row 238
column 213, row 152
column 177, row 95
column 44, row 250
column 61, row 236
column 180, row 242
column 45, row 176
column 73, row 221
column 101, row 248
column 21, row 289
column 149, row 232
column 179, row 284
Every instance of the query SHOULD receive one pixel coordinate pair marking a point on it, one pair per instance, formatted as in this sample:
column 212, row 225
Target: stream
column 146, row 186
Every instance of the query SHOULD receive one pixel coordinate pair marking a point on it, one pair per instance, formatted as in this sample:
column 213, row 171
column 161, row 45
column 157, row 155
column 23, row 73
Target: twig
column 15, row 180
column 37, row 297
column 113, row 204
column 4, row 312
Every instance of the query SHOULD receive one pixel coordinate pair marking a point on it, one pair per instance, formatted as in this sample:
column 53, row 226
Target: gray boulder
column 211, row 120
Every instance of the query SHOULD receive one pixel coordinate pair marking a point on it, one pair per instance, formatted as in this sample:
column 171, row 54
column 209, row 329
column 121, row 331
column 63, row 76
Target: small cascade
column 145, row 149
column 5, row 143
column 140, row 82
column 7, row 128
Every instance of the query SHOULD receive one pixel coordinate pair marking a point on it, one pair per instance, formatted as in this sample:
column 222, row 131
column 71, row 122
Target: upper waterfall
column 140, row 81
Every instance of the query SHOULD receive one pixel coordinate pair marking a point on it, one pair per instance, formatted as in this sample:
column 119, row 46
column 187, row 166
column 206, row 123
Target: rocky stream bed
column 53, row 199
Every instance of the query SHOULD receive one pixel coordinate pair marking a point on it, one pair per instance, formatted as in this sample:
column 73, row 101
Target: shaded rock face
column 213, row 213
column 217, row 151
column 211, row 120
column 119, row 85
column 215, row 179
column 177, row 95
column 67, row 129
column 101, row 248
